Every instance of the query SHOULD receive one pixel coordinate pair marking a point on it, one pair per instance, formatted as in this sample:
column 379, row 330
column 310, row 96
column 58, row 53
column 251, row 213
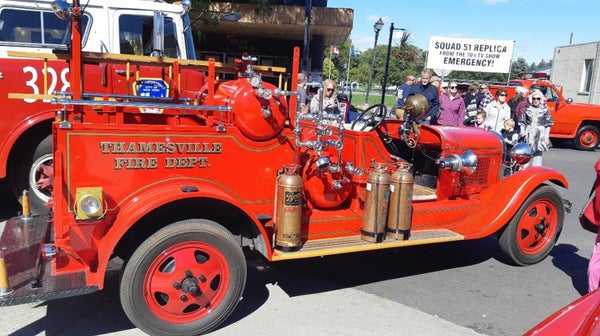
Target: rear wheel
column 36, row 175
column 186, row 279
column 587, row 138
column 534, row 230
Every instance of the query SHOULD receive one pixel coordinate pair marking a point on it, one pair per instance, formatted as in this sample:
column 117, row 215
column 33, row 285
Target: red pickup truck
column 572, row 121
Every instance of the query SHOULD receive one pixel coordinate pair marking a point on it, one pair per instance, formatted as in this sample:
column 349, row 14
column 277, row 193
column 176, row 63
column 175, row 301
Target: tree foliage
column 405, row 59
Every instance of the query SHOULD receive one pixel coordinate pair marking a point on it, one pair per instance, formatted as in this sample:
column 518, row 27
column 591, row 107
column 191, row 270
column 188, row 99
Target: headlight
column 89, row 203
column 466, row 163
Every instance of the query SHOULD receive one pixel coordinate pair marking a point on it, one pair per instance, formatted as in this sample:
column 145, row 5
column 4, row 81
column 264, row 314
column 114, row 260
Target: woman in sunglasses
column 536, row 122
column 452, row 107
column 497, row 111
column 328, row 97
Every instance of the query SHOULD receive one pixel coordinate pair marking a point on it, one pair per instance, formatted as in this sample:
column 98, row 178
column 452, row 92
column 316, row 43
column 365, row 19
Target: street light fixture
column 387, row 62
column 377, row 27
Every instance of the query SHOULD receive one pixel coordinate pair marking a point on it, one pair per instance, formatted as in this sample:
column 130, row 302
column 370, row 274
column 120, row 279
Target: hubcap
column 186, row 282
column 588, row 139
column 41, row 177
column 537, row 226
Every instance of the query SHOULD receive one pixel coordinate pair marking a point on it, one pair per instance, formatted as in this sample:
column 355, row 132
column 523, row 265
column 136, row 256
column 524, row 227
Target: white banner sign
column 470, row 54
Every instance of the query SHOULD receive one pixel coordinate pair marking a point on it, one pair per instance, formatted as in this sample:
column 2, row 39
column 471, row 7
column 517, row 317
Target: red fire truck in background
column 180, row 174
column 109, row 26
column 578, row 122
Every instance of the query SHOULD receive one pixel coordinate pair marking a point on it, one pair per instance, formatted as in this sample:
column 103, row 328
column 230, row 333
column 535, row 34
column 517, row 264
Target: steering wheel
column 373, row 119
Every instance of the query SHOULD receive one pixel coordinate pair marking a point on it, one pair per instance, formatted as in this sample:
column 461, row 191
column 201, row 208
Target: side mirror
column 158, row 40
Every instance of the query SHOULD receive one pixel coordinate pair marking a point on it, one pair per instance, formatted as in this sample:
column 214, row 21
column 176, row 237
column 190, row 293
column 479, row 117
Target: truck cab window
column 551, row 95
column 136, row 33
column 24, row 26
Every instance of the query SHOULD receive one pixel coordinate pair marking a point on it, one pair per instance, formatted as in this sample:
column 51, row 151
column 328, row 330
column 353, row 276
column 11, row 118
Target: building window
column 588, row 70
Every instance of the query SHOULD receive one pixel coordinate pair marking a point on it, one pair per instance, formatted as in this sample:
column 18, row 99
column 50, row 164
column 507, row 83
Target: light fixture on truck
column 89, row 203
column 61, row 9
column 466, row 163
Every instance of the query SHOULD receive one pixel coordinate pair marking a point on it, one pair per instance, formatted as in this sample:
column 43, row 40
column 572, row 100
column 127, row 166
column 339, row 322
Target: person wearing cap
column 536, row 123
column 521, row 94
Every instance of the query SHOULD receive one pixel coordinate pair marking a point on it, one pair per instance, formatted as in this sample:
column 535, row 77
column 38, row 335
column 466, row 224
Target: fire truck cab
column 184, row 174
column 108, row 26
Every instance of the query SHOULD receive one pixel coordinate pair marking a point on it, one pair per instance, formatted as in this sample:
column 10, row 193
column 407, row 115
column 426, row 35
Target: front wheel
column 587, row 138
column 186, row 279
column 534, row 230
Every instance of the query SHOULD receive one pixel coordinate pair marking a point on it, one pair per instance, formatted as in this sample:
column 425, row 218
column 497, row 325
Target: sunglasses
column 483, row 88
column 538, row 98
column 330, row 89
column 453, row 87
column 502, row 95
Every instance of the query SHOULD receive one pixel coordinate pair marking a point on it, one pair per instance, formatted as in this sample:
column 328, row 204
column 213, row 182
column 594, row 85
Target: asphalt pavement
column 307, row 306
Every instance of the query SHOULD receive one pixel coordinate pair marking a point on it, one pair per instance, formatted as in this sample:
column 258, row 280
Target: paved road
column 462, row 288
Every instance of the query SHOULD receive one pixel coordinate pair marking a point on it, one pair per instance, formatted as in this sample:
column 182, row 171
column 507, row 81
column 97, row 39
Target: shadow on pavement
column 100, row 313
column 565, row 258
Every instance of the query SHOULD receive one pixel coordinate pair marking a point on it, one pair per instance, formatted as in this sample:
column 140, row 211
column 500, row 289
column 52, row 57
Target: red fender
column 512, row 192
column 16, row 132
column 157, row 195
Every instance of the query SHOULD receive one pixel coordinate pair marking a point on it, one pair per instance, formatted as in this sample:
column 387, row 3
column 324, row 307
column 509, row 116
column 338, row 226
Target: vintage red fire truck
column 185, row 174
column 578, row 122
column 110, row 26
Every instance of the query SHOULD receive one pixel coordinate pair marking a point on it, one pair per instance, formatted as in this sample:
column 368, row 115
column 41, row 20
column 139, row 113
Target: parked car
column 578, row 318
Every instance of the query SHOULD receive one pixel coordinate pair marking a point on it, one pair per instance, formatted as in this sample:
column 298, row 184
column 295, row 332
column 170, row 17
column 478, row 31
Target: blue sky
column 535, row 26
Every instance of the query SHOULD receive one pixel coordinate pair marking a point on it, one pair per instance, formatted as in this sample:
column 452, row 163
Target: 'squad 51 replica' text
column 179, row 174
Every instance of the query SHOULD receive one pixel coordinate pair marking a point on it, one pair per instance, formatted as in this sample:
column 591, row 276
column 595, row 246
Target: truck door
column 563, row 124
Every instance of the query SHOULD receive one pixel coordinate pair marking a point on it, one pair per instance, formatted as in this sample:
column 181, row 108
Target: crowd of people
column 523, row 118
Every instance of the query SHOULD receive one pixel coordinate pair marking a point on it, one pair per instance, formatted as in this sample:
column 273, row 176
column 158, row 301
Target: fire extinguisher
column 376, row 204
column 400, row 211
column 288, row 219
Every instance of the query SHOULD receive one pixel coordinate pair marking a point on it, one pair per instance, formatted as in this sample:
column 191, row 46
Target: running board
column 30, row 276
column 323, row 247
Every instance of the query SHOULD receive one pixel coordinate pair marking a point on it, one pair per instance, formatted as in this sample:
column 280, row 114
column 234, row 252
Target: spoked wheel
column 534, row 230
column 186, row 279
column 587, row 138
column 372, row 117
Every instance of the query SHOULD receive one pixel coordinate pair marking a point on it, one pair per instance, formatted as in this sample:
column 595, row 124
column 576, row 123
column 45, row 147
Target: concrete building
column 272, row 38
column 576, row 68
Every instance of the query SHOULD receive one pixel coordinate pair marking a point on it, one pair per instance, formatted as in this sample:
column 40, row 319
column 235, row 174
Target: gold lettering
column 186, row 162
column 160, row 147
column 132, row 148
column 107, row 147
column 118, row 147
column 136, row 163
column 144, row 147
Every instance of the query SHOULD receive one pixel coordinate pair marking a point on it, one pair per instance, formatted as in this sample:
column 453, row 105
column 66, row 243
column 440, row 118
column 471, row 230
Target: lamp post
column 387, row 62
column 377, row 27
